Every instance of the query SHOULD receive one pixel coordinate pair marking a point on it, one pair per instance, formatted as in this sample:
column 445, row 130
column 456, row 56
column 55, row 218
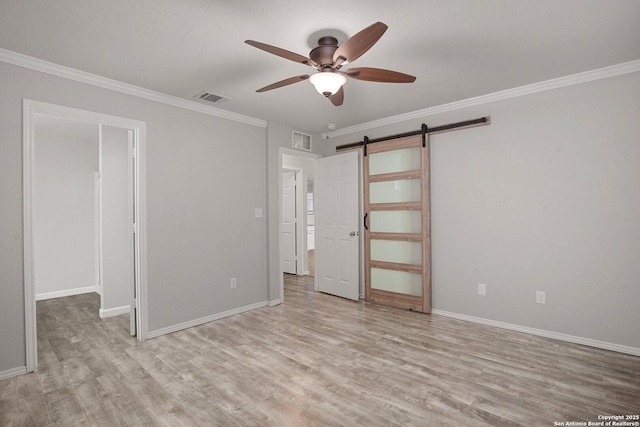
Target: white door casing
column 131, row 210
column 338, row 225
column 288, row 233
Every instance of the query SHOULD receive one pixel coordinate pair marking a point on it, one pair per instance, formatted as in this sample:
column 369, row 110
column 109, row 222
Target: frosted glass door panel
column 403, row 190
column 396, row 281
column 396, row 251
column 405, row 159
column 396, row 221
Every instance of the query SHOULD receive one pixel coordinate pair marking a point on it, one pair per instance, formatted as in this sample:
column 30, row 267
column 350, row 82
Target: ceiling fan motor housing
column 323, row 54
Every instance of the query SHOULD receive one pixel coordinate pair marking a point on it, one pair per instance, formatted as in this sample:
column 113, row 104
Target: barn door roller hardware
column 424, row 130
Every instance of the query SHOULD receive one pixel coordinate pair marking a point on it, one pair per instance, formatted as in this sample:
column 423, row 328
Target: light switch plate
column 482, row 289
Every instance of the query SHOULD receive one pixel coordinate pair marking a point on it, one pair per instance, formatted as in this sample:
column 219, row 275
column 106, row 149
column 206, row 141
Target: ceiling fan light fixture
column 327, row 82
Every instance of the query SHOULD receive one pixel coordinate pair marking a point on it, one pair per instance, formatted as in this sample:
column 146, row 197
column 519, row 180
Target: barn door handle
column 365, row 221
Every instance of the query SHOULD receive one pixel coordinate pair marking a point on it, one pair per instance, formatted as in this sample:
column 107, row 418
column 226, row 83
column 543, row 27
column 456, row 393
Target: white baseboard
column 203, row 320
column 541, row 332
column 10, row 373
column 274, row 302
column 66, row 293
column 117, row 311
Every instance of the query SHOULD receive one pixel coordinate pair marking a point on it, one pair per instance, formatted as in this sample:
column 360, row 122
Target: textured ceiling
column 457, row 49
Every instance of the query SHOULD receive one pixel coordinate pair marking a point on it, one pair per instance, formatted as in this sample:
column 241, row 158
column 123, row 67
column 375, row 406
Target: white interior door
column 337, row 225
column 288, row 238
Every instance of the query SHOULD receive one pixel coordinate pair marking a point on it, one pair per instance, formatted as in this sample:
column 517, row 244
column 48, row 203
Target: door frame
column 30, row 109
column 297, row 153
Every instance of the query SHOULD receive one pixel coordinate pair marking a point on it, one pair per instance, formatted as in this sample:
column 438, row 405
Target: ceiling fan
column 328, row 58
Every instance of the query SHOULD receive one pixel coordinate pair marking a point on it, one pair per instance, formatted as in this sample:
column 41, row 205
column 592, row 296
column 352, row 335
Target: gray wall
column 545, row 198
column 64, row 221
column 205, row 177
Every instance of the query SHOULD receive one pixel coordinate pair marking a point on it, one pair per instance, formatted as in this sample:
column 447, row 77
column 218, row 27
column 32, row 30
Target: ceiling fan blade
column 337, row 98
column 283, row 53
column 378, row 75
column 285, row 82
column 359, row 44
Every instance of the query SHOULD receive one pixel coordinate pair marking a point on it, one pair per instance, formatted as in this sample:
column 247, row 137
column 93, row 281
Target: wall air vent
column 211, row 97
column 301, row 141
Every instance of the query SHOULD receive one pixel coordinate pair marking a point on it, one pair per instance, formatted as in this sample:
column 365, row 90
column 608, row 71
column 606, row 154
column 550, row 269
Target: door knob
column 353, row 233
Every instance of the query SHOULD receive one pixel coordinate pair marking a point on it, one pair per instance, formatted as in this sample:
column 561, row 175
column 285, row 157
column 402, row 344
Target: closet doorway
column 84, row 212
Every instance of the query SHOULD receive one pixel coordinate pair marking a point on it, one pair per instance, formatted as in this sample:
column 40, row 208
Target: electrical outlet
column 541, row 297
column 482, row 289
column 234, row 283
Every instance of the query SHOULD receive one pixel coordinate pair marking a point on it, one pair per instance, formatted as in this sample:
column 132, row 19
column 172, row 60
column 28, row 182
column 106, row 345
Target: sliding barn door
column 397, row 234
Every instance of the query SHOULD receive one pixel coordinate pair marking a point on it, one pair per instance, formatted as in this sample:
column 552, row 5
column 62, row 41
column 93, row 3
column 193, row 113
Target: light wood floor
column 314, row 360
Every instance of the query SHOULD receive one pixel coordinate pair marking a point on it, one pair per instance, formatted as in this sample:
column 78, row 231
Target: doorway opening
column 297, row 219
column 84, row 213
column 297, row 225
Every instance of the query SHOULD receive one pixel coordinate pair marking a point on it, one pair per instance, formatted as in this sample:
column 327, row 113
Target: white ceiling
column 457, row 49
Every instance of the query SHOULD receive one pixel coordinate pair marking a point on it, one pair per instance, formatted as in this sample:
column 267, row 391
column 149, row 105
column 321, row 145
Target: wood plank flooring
column 315, row 360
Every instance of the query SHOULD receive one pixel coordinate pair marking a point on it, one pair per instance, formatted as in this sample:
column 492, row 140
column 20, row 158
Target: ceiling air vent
column 211, row 97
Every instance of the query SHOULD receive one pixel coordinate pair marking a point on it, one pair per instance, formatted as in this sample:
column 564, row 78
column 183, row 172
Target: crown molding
column 36, row 64
column 574, row 79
